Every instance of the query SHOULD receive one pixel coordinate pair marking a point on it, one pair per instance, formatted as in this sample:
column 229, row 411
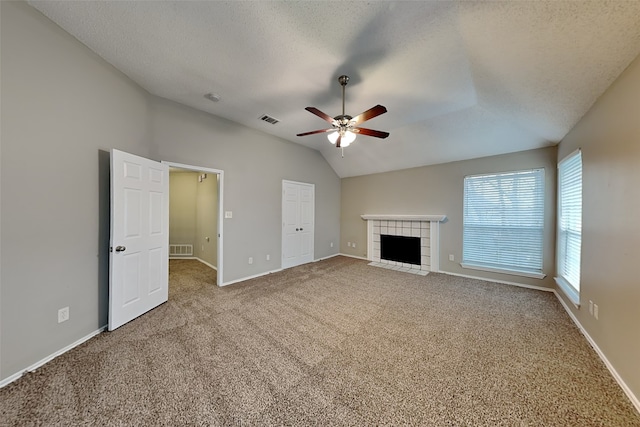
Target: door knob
column 120, row 248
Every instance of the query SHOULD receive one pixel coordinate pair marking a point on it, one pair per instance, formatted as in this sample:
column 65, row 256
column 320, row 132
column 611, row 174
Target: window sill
column 504, row 271
column 569, row 291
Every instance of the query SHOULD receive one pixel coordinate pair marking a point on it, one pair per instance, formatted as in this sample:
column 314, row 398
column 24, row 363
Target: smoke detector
column 213, row 97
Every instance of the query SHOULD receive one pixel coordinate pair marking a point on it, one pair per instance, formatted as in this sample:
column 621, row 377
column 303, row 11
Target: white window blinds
column 569, row 239
column 503, row 221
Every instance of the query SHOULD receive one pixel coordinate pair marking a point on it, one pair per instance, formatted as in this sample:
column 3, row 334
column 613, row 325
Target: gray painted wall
column 63, row 110
column 193, row 213
column 0, row 197
column 438, row 189
column 609, row 135
column 254, row 166
column 207, row 219
column 183, row 189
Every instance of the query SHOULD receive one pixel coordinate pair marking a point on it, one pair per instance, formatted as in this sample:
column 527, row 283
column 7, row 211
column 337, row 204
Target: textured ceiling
column 460, row 80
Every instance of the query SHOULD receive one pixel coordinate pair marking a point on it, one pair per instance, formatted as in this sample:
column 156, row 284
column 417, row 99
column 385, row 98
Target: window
column 503, row 222
column 569, row 239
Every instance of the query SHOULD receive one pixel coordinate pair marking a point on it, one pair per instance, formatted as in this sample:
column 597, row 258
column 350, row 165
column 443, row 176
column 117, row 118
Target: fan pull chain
column 342, row 152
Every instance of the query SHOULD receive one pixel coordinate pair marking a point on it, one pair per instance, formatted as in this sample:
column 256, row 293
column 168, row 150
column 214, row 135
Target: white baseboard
column 272, row 271
column 504, row 282
column 327, row 257
column 280, row 269
column 207, row 264
column 632, row 397
column 49, row 358
column 355, row 256
column 251, row 277
column 197, row 259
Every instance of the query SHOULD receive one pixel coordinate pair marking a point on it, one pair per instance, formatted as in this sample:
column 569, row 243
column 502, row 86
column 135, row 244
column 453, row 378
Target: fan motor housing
column 343, row 119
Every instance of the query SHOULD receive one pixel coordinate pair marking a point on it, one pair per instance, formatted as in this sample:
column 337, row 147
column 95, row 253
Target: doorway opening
column 195, row 218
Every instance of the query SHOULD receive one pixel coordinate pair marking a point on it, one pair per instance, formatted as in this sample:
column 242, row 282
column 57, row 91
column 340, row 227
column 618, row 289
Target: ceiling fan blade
column 369, row 114
column 370, row 132
column 315, row 131
column 323, row 116
column 338, row 141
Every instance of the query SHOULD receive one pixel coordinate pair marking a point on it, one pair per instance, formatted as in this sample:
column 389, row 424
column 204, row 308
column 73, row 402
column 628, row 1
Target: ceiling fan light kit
column 347, row 137
column 344, row 130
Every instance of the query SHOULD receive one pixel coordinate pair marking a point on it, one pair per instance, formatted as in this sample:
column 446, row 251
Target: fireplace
column 417, row 234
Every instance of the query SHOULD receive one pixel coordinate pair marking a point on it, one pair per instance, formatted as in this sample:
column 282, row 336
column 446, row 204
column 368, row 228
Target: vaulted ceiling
column 460, row 80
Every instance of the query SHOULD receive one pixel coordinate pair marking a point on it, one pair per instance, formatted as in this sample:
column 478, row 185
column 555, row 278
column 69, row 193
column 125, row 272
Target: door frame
column 220, row 173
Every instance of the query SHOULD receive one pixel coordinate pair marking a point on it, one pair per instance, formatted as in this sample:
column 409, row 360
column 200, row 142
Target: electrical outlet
column 451, row 257
column 353, row 245
column 595, row 311
column 331, row 244
column 268, row 257
column 250, row 260
column 591, row 307
column 63, row 314
column 349, row 244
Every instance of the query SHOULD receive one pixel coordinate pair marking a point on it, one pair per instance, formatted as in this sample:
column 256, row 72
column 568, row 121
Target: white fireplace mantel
column 430, row 218
column 432, row 240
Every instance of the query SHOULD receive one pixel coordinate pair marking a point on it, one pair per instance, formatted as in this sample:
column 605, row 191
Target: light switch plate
column 228, row 214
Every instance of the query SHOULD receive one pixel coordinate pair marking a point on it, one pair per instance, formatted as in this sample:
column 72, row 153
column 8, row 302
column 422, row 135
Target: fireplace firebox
column 400, row 249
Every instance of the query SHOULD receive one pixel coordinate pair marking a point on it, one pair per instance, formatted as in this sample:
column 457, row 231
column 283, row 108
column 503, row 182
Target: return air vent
column 269, row 119
column 180, row 250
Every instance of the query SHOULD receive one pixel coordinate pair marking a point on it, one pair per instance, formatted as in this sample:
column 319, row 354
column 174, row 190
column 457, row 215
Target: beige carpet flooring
column 335, row 342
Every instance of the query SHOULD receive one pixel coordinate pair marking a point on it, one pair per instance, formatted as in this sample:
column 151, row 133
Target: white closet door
column 298, row 210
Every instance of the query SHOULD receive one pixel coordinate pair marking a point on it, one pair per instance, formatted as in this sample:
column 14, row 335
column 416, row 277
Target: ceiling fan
column 343, row 127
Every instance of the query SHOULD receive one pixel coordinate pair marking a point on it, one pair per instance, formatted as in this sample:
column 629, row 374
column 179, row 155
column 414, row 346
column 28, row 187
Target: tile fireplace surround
column 426, row 227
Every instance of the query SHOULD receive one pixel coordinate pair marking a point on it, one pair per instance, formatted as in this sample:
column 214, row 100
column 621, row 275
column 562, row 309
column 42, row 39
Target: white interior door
column 138, row 261
column 298, row 207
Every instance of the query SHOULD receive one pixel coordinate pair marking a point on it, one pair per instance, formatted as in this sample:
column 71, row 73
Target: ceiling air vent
column 269, row 119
